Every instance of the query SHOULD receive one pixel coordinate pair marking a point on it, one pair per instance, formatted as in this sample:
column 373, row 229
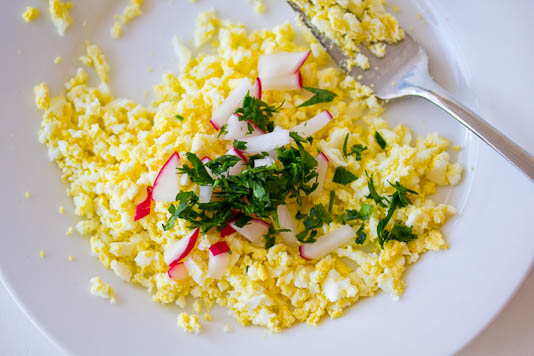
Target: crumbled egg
column 259, row 6
column 60, row 13
column 57, row 60
column 30, row 14
column 61, row 210
column 41, row 254
column 101, row 289
column 110, row 149
column 130, row 12
column 27, row 195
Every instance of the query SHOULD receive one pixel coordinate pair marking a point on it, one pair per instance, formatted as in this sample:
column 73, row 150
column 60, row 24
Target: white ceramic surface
column 451, row 295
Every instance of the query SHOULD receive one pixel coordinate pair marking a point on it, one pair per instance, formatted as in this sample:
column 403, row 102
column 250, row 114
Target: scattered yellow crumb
column 59, row 11
column 188, row 322
column 42, row 98
column 207, row 317
column 101, row 289
column 96, row 59
column 30, row 14
column 395, row 8
column 457, row 148
column 62, row 209
column 150, row 69
column 57, row 60
column 19, row 52
column 69, row 231
column 71, row 258
column 192, row 1
column 196, row 306
column 227, row 328
column 27, row 195
column 259, row 6
column 42, row 254
column 419, row 16
column 130, row 12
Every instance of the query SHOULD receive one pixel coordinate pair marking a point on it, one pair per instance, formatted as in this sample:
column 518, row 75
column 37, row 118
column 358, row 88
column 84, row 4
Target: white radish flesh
column 276, row 65
column 238, row 167
column 236, row 129
column 327, row 243
column 166, row 183
column 253, row 231
column 219, row 258
column 177, row 271
column 204, row 193
column 180, row 249
column 230, row 104
column 311, row 126
column 266, row 142
column 264, row 162
column 285, row 220
column 286, row 82
column 322, row 166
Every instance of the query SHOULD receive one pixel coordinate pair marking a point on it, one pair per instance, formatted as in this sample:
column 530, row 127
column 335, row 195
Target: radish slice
column 205, row 160
column 166, row 183
column 238, row 167
column 327, row 243
column 286, row 82
column 276, row 65
column 219, row 258
column 230, row 104
column 236, row 129
column 204, row 193
column 227, row 230
column 143, row 208
column 256, row 89
column 253, row 231
column 177, row 271
column 322, row 166
column 267, row 142
column 180, row 249
column 264, row 162
column 285, row 220
column 308, row 128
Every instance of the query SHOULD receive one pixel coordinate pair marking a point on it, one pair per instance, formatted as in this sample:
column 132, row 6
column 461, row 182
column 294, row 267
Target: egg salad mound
column 377, row 182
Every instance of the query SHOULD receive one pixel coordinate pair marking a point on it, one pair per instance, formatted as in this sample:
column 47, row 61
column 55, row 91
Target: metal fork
column 404, row 71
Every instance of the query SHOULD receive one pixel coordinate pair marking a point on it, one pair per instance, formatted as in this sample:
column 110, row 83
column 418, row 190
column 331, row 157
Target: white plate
column 451, row 295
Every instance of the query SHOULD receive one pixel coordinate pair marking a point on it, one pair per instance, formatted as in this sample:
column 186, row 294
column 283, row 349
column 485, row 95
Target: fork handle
column 489, row 134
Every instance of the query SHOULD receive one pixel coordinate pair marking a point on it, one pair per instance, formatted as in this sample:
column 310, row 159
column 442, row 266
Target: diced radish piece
column 276, row 65
column 238, row 167
column 219, row 258
column 143, row 208
column 205, row 160
column 180, row 249
column 253, row 231
column 266, row 142
column 227, row 230
column 286, row 82
column 285, row 220
column 204, row 193
column 236, row 129
column 308, row 128
column 264, row 162
column 256, row 89
column 322, row 166
column 327, row 243
column 230, row 104
column 177, row 271
column 166, row 183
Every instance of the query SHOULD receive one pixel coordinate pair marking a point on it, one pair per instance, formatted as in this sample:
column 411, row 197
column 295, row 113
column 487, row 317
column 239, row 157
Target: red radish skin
column 166, row 183
column 143, row 208
column 179, row 250
column 256, row 88
column 215, row 126
column 311, row 126
column 238, row 167
column 284, row 63
column 219, row 247
column 177, row 271
column 227, row 230
column 240, row 154
column 322, row 167
column 327, row 243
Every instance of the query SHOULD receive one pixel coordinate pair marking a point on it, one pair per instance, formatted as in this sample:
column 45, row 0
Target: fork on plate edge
column 403, row 72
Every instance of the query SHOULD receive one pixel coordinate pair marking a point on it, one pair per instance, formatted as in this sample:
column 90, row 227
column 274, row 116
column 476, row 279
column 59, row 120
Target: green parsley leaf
column 270, row 238
column 179, row 117
column 380, row 140
column 402, row 193
column 240, row 145
column 356, row 149
column 258, row 112
column 242, row 220
column 343, row 176
column 198, row 172
column 372, row 192
column 223, row 130
column 365, row 212
column 222, row 164
column 360, row 235
column 321, row 96
column 331, row 201
column 314, row 220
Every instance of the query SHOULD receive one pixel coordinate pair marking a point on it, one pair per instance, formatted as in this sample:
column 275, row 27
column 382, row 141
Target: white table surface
column 510, row 334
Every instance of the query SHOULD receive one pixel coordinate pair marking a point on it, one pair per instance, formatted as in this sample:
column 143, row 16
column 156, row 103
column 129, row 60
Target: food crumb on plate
column 259, row 6
column 130, row 12
column 42, row 254
column 57, row 60
column 457, row 148
column 95, row 58
column 71, row 258
column 61, row 209
column 69, row 231
column 101, row 289
column 227, row 328
column 207, row 317
column 189, row 323
column 27, row 195
column 30, row 14
column 60, row 14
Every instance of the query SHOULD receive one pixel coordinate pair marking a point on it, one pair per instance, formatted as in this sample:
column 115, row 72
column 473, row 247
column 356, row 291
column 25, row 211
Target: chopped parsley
column 331, row 201
column 380, row 140
column 363, row 214
column 356, row 149
column 314, row 220
column 270, row 236
column 223, row 130
column 360, row 235
column 197, row 171
column 258, row 112
column 179, row 117
column 343, row 176
column 373, row 194
column 240, row 145
column 321, row 96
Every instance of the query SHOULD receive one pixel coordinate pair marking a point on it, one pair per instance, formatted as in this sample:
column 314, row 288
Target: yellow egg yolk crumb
column 30, row 14
column 60, row 14
column 101, row 289
column 130, row 12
